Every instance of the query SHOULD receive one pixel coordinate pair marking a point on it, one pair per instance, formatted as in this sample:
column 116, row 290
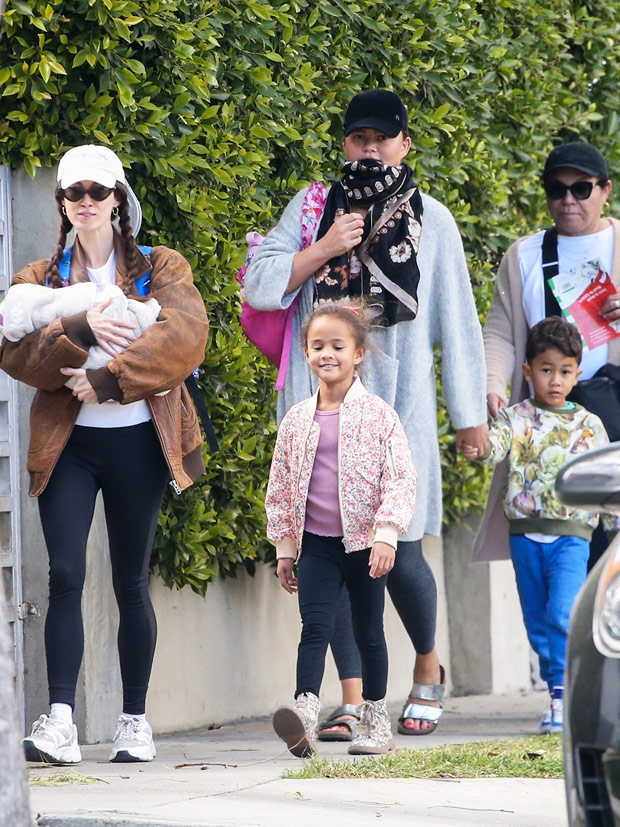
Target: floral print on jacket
column 376, row 477
column 538, row 441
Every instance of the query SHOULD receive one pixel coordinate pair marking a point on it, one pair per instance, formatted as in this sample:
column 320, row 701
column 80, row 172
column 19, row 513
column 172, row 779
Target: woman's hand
column 494, row 403
column 381, row 559
column 285, row 573
column 477, row 437
column 82, row 388
column 344, row 234
column 109, row 331
column 610, row 311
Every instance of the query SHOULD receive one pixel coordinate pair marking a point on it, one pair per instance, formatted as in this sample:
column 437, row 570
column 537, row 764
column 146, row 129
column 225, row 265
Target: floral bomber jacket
column 376, row 477
column 538, row 441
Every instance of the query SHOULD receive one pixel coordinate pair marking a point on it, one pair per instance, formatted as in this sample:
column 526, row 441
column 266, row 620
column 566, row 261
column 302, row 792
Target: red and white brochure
column 581, row 293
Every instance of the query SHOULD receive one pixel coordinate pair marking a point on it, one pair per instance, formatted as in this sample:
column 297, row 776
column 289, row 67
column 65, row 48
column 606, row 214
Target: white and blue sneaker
column 557, row 715
column 52, row 741
column 546, row 724
column 133, row 741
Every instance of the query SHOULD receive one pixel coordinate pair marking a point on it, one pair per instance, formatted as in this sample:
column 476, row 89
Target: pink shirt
column 323, row 505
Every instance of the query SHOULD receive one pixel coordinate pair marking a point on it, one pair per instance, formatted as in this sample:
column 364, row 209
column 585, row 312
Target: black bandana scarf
column 383, row 269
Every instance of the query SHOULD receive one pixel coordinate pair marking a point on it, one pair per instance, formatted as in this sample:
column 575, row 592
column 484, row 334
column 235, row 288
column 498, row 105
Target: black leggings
column 412, row 587
column 129, row 467
column 324, row 569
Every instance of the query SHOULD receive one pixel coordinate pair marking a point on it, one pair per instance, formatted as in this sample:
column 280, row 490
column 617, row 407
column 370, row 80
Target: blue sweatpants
column 549, row 575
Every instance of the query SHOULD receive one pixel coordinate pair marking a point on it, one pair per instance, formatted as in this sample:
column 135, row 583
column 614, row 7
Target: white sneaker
column 546, row 722
column 52, row 741
column 557, row 715
column 133, row 741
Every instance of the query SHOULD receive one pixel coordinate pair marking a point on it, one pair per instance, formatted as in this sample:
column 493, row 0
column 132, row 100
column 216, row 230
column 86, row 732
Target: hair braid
column 129, row 242
column 52, row 273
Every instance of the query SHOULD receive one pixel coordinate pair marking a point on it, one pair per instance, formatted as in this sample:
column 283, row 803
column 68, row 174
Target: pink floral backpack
column 271, row 331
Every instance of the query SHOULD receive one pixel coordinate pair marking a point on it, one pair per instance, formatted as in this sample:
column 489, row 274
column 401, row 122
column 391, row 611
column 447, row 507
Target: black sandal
column 339, row 717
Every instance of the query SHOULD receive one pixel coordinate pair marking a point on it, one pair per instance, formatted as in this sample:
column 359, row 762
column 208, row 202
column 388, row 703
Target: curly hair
column 129, row 243
column 554, row 333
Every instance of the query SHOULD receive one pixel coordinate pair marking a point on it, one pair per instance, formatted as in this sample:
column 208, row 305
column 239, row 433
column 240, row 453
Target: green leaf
column 223, row 110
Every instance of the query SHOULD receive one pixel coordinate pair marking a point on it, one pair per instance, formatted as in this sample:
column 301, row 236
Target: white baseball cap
column 99, row 164
column 90, row 163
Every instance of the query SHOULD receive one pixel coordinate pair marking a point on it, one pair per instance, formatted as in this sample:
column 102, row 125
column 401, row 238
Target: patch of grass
column 537, row 756
column 60, row 779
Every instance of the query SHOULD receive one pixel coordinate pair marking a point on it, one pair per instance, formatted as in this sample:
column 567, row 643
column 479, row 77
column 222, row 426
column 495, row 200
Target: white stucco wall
column 510, row 649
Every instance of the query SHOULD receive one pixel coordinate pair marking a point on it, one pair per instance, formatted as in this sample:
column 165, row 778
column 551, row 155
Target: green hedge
column 223, row 110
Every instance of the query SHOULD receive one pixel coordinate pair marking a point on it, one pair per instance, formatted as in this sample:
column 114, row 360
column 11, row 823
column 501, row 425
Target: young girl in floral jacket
column 341, row 490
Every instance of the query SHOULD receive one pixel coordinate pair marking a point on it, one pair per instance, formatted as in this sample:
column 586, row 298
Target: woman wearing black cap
column 581, row 242
column 381, row 238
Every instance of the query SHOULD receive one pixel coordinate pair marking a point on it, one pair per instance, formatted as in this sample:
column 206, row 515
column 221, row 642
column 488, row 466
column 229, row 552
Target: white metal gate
column 10, row 534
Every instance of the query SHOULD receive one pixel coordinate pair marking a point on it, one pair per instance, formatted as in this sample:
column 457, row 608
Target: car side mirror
column 592, row 480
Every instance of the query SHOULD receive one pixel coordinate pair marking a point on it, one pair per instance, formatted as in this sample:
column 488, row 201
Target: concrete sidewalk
column 232, row 775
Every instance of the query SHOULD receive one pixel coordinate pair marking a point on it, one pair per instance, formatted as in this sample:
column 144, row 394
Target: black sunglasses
column 97, row 192
column 581, row 190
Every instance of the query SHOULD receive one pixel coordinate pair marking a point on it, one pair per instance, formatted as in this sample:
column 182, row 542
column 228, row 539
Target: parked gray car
column 592, row 681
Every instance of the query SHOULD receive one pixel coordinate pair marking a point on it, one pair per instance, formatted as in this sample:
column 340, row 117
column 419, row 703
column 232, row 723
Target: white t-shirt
column 111, row 414
column 572, row 252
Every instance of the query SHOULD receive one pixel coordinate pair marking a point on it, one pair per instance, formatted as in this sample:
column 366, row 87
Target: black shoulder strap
column 207, row 425
column 550, row 268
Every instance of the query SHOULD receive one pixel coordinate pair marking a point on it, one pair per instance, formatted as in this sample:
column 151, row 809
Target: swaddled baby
column 29, row 307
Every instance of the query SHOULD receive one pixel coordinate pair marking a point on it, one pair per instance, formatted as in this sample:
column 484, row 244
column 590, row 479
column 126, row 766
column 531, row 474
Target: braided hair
column 128, row 241
column 52, row 274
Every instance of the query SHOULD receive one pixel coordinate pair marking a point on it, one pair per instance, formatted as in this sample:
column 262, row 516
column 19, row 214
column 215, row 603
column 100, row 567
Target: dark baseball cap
column 577, row 155
column 377, row 109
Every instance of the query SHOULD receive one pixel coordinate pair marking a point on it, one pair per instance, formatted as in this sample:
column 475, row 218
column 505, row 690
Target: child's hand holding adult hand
column 477, row 437
column 381, row 559
column 285, row 574
column 470, row 451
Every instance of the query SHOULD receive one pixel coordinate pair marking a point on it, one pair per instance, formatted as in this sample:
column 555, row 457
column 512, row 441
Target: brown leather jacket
column 159, row 360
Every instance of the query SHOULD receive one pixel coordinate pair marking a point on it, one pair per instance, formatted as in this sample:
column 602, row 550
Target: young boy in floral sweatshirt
column 549, row 541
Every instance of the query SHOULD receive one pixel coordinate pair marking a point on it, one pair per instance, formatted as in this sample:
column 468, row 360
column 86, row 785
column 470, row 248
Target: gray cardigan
column 399, row 365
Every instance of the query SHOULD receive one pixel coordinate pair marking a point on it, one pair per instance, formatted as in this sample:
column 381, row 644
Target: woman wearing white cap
column 116, row 430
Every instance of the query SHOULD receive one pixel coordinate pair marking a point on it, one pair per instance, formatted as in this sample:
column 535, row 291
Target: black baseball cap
column 377, row 109
column 577, row 155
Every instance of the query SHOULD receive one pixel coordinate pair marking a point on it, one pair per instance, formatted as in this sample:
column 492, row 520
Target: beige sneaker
column 296, row 725
column 378, row 739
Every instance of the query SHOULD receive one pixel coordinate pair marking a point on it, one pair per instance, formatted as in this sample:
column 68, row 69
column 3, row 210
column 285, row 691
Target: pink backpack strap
column 311, row 214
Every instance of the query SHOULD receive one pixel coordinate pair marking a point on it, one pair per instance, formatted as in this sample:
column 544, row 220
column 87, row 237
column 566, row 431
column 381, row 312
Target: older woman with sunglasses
column 576, row 183
column 124, row 429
